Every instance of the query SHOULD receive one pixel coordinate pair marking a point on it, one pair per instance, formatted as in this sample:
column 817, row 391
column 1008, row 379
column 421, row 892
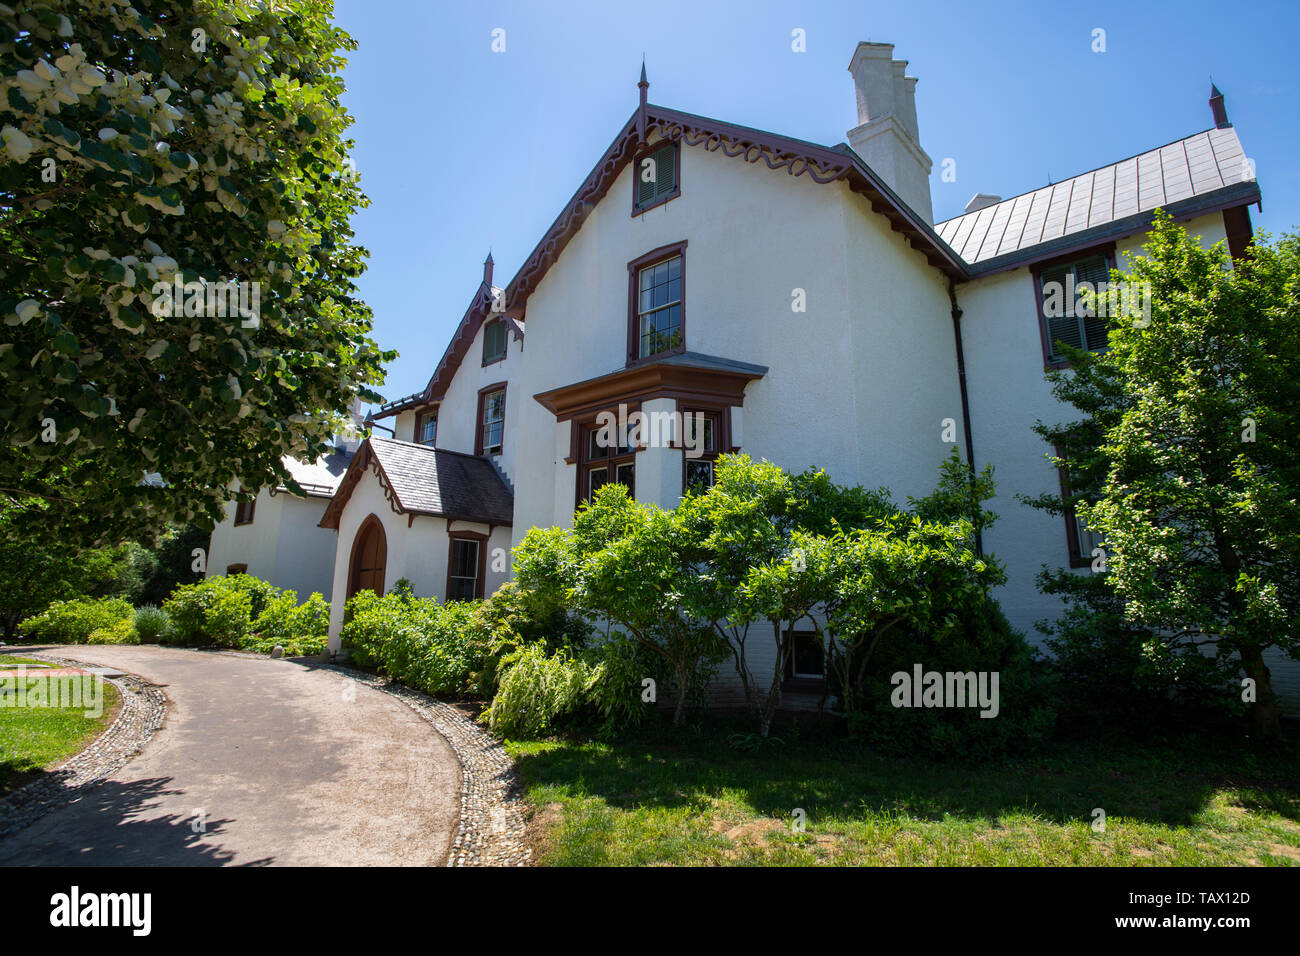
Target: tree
column 36, row 571
column 1187, row 460
column 176, row 260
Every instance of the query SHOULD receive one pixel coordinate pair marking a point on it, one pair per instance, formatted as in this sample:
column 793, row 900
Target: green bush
column 432, row 647
column 151, row 623
column 218, row 610
column 538, row 689
column 120, row 632
column 300, row 629
column 986, row 643
column 73, row 622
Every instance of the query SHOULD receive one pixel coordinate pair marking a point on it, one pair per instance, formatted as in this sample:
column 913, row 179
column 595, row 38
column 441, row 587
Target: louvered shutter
column 1062, row 325
column 1096, row 271
column 665, row 177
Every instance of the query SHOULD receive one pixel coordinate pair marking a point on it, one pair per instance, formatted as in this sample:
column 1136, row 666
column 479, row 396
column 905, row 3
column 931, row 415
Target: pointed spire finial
column 1217, row 107
column 643, row 85
column 487, row 268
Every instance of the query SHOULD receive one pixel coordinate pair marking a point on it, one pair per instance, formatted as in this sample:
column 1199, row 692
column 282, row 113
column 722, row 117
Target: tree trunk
column 1264, row 722
column 680, row 709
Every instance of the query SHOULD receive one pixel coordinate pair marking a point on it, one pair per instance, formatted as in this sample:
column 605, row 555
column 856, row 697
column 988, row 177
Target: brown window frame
column 481, row 572
column 652, row 258
column 1036, row 273
column 480, row 448
column 580, row 455
column 721, row 415
column 505, row 342
column 636, row 176
column 244, row 515
column 420, row 419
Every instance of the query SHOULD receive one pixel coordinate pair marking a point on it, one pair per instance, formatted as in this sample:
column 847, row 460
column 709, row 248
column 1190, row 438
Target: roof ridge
column 1125, row 159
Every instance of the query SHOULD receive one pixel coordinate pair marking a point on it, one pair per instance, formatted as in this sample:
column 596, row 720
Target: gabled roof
column 1202, row 173
column 480, row 307
column 419, row 480
column 823, row 164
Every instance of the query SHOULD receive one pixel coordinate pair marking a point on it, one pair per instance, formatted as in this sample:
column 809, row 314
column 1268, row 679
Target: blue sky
column 461, row 149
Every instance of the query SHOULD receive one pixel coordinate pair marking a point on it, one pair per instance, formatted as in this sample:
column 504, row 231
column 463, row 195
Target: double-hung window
column 604, row 457
column 426, row 429
column 491, row 420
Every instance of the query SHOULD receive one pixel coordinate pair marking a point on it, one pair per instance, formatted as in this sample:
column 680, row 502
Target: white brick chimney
column 887, row 136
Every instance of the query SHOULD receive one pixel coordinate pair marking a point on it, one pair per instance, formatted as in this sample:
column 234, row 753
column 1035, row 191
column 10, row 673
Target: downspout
column 965, row 400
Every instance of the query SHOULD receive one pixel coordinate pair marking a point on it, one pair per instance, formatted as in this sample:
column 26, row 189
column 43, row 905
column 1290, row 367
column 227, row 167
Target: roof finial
column 643, row 86
column 1217, row 108
column 487, row 269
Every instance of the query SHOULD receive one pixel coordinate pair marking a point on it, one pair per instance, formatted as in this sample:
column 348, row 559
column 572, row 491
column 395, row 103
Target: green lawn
column 32, row 738
column 700, row 802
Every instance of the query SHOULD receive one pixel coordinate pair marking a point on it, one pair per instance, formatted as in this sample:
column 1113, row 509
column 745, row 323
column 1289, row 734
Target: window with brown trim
column 494, row 341
column 244, row 511
column 805, row 663
column 491, row 431
column 656, row 176
column 702, row 441
column 426, row 428
column 604, row 457
column 657, row 303
column 466, row 565
column 237, row 569
column 1062, row 315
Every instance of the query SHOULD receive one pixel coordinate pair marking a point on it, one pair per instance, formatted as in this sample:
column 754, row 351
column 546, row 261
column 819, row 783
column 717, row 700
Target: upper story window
column 1062, row 311
column 494, row 341
column 657, row 317
column 426, row 428
column 655, row 180
column 490, row 437
column 602, row 460
column 244, row 511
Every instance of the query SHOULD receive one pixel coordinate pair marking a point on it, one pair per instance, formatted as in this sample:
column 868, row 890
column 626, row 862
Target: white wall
column 282, row 544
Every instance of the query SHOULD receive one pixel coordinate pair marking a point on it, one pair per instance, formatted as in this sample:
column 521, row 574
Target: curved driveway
column 259, row 762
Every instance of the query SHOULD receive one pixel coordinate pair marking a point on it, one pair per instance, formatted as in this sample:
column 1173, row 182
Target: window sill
column 657, row 356
column 637, row 210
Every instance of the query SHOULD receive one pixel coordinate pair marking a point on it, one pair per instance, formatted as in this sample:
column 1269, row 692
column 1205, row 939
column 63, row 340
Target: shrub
column 538, row 689
column 73, row 622
column 436, row 648
column 300, row 629
column 218, row 610
column 985, row 643
column 151, row 623
column 119, row 632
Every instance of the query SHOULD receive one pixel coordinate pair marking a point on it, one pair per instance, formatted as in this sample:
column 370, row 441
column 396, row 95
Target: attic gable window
column 494, row 341
column 1062, row 314
column 655, row 177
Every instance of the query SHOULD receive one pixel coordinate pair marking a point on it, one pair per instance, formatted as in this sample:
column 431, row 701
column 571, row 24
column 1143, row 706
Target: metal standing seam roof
column 1186, row 169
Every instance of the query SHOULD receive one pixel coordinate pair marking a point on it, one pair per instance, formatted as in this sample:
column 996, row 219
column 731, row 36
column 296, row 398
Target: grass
column 697, row 801
column 33, row 738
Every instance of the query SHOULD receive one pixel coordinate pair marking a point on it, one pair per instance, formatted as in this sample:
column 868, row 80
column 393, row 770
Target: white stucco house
column 825, row 320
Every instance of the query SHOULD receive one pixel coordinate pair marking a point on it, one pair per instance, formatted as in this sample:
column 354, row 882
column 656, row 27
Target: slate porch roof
column 1201, row 173
column 419, row 480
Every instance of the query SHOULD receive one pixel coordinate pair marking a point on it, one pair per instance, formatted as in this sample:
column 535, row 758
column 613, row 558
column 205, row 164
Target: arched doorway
column 369, row 555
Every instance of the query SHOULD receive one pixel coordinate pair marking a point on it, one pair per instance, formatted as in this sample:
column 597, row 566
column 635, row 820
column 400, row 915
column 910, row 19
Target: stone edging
column 491, row 830
column 143, row 708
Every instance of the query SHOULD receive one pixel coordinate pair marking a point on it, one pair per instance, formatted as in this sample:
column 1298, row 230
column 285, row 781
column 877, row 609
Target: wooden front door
column 369, row 553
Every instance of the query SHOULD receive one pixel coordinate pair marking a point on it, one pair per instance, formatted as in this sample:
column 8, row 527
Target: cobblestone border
column 143, row 709
column 492, row 819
